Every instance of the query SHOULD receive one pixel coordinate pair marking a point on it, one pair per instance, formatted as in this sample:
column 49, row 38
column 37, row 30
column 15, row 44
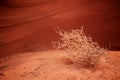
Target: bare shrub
column 80, row 48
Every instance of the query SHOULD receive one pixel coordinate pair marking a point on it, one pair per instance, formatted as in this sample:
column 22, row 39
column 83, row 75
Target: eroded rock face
column 25, row 3
column 26, row 24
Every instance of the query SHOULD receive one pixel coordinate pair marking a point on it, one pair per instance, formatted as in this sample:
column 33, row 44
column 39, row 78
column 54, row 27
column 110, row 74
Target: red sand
column 50, row 65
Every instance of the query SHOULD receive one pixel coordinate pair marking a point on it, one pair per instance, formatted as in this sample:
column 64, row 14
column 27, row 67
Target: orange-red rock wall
column 25, row 25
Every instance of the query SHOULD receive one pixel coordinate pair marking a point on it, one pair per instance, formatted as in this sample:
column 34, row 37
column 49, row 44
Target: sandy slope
column 50, row 65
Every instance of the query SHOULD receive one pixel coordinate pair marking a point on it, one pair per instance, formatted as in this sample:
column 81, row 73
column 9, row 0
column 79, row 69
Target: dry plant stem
column 80, row 48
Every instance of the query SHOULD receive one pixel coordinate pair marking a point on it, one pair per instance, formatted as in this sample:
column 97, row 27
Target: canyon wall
column 27, row 25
